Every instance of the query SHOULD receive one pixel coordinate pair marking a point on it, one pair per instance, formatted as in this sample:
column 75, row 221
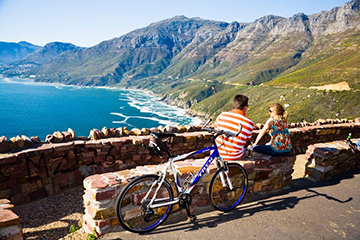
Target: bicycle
column 353, row 146
column 146, row 201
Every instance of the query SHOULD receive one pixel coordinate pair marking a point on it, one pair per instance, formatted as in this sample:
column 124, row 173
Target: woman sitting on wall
column 280, row 143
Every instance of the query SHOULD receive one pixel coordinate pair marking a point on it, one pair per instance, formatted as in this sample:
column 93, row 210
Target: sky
column 86, row 23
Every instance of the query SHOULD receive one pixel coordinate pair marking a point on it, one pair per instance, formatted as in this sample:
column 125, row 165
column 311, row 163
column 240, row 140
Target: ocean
column 38, row 109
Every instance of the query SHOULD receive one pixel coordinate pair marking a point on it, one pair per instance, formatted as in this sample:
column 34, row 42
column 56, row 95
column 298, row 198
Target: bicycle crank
column 185, row 201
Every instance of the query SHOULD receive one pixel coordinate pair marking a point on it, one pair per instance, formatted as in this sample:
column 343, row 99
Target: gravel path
column 51, row 217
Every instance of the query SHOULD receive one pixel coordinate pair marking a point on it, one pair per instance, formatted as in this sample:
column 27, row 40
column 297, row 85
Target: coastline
column 163, row 99
column 168, row 101
column 156, row 110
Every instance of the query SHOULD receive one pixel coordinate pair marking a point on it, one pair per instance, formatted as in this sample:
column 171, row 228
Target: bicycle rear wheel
column 222, row 198
column 132, row 209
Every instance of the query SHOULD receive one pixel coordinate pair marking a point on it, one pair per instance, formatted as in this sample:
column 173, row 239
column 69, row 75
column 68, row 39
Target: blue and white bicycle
column 146, row 201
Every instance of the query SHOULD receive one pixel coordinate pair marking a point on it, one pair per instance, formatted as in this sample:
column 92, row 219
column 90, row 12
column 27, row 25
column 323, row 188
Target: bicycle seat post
column 167, row 148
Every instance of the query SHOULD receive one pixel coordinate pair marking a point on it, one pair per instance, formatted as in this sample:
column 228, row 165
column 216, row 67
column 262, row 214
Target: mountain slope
column 182, row 48
column 37, row 58
column 46, row 53
column 138, row 54
column 271, row 45
column 11, row 52
column 200, row 64
column 337, row 61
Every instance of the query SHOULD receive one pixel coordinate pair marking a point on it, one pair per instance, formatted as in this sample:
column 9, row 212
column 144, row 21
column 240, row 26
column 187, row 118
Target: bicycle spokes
column 226, row 197
column 133, row 205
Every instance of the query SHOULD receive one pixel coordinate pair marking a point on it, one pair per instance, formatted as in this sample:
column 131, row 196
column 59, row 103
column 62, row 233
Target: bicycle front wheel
column 221, row 197
column 132, row 208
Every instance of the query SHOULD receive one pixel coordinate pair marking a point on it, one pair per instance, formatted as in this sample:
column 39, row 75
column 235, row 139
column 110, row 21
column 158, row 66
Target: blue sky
column 88, row 22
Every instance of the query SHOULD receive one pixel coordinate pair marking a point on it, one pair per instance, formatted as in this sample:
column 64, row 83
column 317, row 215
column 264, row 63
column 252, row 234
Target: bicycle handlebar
column 221, row 132
column 153, row 147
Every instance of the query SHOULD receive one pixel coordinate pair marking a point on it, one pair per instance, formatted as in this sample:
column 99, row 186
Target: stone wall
column 47, row 168
column 328, row 159
column 10, row 227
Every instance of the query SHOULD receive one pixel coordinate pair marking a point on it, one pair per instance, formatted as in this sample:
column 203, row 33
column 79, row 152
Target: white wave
column 160, row 121
column 124, row 99
column 18, row 81
column 145, row 110
column 31, row 82
column 121, row 115
column 126, row 118
column 196, row 121
column 122, row 122
column 7, row 80
column 166, row 114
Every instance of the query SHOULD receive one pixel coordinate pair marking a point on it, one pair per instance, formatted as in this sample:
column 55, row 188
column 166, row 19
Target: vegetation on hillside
column 301, row 103
column 330, row 60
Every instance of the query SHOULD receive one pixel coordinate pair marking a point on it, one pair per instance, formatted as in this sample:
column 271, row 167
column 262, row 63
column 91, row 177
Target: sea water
column 37, row 109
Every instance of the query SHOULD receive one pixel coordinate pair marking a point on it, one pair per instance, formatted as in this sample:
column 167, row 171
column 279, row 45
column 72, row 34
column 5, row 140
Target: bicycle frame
column 170, row 164
column 156, row 205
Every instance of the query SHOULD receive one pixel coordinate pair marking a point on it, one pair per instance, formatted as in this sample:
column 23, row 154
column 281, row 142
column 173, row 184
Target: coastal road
column 328, row 209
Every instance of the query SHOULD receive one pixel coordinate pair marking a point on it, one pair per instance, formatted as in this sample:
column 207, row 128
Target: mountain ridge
column 11, row 51
column 38, row 57
column 190, row 60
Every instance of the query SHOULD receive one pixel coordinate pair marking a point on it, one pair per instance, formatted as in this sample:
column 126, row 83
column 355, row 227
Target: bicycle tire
column 132, row 214
column 222, row 198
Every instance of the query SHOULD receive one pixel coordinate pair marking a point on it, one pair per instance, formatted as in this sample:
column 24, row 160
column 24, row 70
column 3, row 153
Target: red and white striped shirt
column 233, row 148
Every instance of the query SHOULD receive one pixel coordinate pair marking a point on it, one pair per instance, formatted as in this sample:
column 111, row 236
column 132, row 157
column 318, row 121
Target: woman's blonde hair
column 279, row 109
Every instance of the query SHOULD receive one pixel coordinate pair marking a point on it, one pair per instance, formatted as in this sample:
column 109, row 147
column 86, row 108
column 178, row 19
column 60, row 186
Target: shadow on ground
column 259, row 203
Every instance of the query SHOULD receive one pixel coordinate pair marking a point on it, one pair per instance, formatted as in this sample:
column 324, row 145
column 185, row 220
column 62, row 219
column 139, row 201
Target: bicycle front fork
column 224, row 175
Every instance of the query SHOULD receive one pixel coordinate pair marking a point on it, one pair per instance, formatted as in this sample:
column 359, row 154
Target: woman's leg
column 266, row 149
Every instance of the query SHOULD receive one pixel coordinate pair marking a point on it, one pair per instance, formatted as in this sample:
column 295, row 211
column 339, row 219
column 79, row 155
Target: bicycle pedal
column 193, row 218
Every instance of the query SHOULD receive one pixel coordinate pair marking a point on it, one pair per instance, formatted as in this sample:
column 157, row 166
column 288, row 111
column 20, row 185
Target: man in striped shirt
column 233, row 148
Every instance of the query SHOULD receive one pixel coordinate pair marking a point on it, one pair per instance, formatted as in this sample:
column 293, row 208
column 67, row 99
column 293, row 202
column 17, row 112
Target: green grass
column 74, row 228
column 338, row 61
column 91, row 236
column 300, row 103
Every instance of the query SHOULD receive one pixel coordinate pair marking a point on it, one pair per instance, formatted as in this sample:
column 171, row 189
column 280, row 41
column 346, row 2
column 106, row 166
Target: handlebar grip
column 238, row 132
column 231, row 134
column 208, row 121
column 228, row 133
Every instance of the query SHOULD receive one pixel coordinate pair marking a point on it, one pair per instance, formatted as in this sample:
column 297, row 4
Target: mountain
column 11, row 52
column 138, row 54
column 38, row 57
column 48, row 52
column 201, row 64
